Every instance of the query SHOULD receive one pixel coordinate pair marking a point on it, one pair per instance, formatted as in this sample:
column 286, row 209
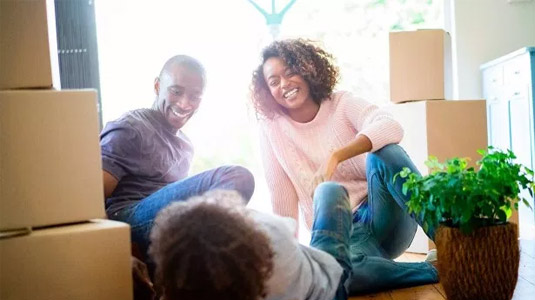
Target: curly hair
column 208, row 248
column 313, row 63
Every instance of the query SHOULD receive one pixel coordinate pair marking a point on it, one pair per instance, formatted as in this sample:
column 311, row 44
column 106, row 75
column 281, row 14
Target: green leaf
column 396, row 27
column 507, row 210
column 378, row 2
column 418, row 18
column 501, row 215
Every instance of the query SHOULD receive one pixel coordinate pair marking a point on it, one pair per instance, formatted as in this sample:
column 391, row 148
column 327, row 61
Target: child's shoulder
column 274, row 223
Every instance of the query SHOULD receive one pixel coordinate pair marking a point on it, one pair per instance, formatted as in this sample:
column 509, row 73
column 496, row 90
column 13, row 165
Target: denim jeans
column 141, row 215
column 381, row 229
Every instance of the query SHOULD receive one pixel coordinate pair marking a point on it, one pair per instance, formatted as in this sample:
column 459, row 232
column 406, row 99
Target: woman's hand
column 361, row 144
column 326, row 170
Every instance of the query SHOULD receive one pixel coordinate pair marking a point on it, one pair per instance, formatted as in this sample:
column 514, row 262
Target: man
column 146, row 157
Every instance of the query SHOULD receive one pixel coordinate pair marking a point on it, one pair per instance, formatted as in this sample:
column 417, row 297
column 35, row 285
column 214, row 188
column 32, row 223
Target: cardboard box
column 444, row 129
column 420, row 65
column 50, row 162
column 83, row 261
column 28, row 45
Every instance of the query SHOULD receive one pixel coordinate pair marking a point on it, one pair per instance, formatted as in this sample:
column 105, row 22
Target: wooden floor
column 525, row 288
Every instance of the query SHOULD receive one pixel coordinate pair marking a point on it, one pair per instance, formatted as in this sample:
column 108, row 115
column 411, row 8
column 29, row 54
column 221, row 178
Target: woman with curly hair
column 212, row 247
column 322, row 148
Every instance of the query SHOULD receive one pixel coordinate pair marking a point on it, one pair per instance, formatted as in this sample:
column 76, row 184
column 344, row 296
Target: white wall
column 481, row 31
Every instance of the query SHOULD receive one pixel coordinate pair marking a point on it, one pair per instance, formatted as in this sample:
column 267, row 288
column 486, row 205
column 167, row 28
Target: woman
column 314, row 143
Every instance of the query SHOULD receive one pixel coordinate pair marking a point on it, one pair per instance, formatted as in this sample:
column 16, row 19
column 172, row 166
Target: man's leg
column 331, row 230
column 141, row 215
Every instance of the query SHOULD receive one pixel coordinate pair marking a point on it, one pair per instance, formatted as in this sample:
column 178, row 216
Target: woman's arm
column 361, row 144
column 369, row 120
column 283, row 195
column 375, row 129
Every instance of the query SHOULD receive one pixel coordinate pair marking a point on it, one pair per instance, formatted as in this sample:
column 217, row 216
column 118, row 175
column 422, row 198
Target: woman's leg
column 383, row 229
column 389, row 220
column 141, row 215
column 371, row 271
column 331, row 230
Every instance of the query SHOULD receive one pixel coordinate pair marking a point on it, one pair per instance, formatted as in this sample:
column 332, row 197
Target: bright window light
column 136, row 37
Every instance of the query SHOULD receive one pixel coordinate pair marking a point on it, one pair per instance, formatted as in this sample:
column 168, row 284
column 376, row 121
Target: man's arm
column 110, row 183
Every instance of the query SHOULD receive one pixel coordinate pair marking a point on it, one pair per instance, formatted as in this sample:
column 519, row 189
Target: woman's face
column 289, row 89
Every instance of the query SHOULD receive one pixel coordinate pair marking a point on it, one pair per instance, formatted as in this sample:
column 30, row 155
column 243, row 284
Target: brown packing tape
column 15, row 232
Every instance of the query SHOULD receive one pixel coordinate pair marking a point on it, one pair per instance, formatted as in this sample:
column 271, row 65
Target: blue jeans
column 381, row 229
column 141, row 215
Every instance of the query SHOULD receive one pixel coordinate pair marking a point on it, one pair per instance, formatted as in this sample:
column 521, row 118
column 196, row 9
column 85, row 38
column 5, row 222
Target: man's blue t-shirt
column 144, row 154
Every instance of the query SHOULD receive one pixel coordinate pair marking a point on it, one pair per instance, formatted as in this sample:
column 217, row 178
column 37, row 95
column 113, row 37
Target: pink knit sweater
column 292, row 152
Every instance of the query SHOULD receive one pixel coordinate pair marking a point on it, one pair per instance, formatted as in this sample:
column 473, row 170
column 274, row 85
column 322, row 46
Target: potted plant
column 477, row 249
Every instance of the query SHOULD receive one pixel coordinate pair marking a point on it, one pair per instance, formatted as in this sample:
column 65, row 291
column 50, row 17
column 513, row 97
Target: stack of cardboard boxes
column 52, row 243
column 421, row 90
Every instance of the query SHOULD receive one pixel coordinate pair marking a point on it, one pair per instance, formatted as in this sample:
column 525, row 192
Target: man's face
column 178, row 91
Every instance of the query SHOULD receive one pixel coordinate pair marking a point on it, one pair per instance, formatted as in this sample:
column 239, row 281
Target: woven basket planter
column 482, row 265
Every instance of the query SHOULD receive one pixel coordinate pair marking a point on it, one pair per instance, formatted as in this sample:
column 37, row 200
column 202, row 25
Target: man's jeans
column 381, row 229
column 141, row 215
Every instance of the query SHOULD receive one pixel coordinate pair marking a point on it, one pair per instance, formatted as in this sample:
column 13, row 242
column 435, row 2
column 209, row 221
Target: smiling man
column 146, row 157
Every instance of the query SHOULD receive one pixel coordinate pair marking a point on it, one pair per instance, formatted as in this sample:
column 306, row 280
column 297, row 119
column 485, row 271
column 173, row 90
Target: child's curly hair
column 207, row 248
column 304, row 58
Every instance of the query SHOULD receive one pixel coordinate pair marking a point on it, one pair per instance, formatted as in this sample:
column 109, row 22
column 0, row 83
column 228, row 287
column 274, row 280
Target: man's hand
column 143, row 287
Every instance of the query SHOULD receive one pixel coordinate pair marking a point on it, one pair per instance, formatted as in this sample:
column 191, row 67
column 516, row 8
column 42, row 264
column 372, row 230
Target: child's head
column 208, row 248
column 305, row 62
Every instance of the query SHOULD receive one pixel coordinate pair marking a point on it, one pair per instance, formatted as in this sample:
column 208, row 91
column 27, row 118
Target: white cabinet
column 508, row 88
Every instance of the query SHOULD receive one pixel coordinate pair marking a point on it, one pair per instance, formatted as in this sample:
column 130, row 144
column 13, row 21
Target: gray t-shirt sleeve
column 120, row 145
column 299, row 272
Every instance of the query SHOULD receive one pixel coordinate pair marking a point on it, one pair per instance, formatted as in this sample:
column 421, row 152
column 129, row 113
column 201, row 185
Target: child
column 212, row 247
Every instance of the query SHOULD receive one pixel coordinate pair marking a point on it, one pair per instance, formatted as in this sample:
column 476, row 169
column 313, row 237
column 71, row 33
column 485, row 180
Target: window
column 136, row 38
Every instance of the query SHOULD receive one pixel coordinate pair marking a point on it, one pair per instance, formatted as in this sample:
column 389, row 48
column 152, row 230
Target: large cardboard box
column 420, row 65
column 444, row 129
column 50, row 162
column 83, row 261
column 28, row 45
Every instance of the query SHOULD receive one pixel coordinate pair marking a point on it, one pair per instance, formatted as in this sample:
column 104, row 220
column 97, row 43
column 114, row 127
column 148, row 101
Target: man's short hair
column 187, row 61
column 208, row 248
